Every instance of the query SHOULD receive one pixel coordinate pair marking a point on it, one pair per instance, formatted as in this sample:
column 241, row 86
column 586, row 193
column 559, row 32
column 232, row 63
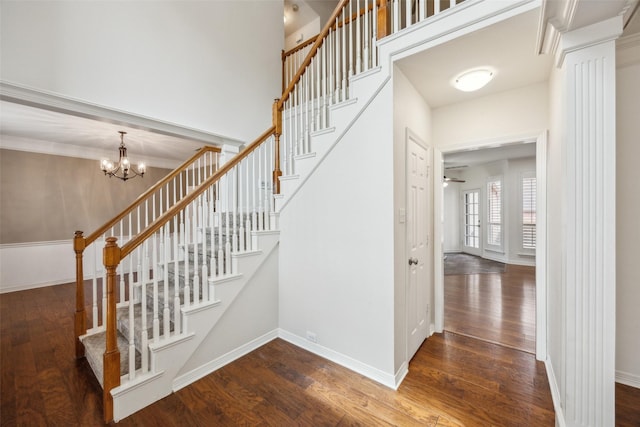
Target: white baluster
column 156, row 320
column 234, row 191
column 176, row 279
column 365, row 36
column 407, row 11
column 343, row 37
column 220, row 260
column 132, row 344
column 351, row 45
column 196, row 255
column 396, row 15
column 187, row 287
column 130, row 276
column 324, row 109
column 308, row 111
column 254, row 183
column 120, row 268
column 166, row 315
column 143, row 302
column 318, row 98
column 94, row 287
column 331, row 39
column 358, row 44
column 247, row 228
column 227, row 245
column 374, row 35
column 423, row 9
column 267, row 182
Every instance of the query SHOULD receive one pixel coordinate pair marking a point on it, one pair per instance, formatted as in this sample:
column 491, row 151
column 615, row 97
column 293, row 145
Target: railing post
column 284, row 61
column 80, row 316
column 383, row 20
column 111, row 358
column 277, row 123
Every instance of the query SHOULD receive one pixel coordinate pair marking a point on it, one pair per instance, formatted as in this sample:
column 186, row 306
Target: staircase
column 167, row 273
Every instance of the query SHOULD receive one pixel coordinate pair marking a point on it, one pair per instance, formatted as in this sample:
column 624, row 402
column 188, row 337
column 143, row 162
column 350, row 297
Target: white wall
column 555, row 229
column 452, row 230
column 410, row 111
column 305, row 33
column 336, row 249
column 627, row 214
column 502, row 116
column 252, row 315
column 209, row 65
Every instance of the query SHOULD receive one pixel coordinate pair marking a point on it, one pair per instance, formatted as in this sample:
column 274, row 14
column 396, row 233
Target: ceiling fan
column 449, row 179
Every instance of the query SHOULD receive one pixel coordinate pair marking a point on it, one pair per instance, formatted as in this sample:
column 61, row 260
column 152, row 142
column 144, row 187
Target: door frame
column 541, row 231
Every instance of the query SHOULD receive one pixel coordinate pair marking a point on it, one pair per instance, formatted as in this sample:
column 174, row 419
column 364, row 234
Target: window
column 528, row 212
column 472, row 219
column 494, row 212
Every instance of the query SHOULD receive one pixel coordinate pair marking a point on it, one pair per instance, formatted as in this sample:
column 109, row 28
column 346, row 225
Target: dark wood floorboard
column 453, row 380
column 495, row 307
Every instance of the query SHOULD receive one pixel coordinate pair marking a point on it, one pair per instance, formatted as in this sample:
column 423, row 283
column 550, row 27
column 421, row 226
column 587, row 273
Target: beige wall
column 45, row 198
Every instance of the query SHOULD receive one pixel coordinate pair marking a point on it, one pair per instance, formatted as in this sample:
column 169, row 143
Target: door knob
column 413, row 261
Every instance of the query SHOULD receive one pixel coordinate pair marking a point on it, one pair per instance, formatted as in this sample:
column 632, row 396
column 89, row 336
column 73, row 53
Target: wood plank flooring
column 495, row 307
column 453, row 380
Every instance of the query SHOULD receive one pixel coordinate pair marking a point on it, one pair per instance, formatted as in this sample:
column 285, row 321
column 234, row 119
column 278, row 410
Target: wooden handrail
column 316, row 45
column 100, row 231
column 179, row 206
column 299, row 47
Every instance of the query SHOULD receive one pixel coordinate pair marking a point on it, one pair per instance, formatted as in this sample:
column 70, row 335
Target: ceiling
column 461, row 159
column 28, row 128
column 307, row 11
column 509, row 47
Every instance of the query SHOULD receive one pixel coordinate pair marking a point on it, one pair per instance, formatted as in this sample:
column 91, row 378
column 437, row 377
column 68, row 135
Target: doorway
column 489, row 294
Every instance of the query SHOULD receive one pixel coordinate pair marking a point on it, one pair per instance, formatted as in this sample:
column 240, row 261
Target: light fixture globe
column 472, row 80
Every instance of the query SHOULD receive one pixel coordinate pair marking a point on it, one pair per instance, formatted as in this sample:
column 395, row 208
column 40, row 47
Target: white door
column 418, row 262
column 471, row 222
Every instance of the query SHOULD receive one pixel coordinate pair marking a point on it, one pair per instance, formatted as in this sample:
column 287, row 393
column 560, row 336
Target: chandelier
column 123, row 169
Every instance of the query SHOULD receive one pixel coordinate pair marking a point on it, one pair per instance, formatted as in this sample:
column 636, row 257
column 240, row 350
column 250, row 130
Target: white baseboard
column 209, row 367
column 626, row 378
column 389, row 380
column 555, row 394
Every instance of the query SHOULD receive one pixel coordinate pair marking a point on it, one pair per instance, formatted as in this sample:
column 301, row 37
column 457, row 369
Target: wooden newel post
column 383, row 20
column 111, row 359
column 80, row 320
column 277, row 123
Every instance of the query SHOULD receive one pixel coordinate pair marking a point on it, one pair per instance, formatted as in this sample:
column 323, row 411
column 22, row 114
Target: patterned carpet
column 470, row 264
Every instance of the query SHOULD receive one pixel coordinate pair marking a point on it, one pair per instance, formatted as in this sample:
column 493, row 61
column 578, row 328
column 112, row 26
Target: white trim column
column 587, row 56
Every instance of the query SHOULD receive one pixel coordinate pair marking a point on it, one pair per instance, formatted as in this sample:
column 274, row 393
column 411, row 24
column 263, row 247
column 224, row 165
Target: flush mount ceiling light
column 471, row 80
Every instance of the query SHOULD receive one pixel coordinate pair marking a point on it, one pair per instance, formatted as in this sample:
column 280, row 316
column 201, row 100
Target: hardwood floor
column 495, row 307
column 453, row 380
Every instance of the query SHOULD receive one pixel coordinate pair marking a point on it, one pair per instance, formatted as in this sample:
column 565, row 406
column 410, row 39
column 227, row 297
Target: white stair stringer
column 168, row 356
column 363, row 89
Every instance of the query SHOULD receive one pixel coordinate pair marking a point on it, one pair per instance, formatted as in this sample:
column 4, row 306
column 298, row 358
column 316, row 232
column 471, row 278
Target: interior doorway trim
column 541, row 233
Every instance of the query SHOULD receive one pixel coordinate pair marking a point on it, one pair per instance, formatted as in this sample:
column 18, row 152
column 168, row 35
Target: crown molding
column 601, row 32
